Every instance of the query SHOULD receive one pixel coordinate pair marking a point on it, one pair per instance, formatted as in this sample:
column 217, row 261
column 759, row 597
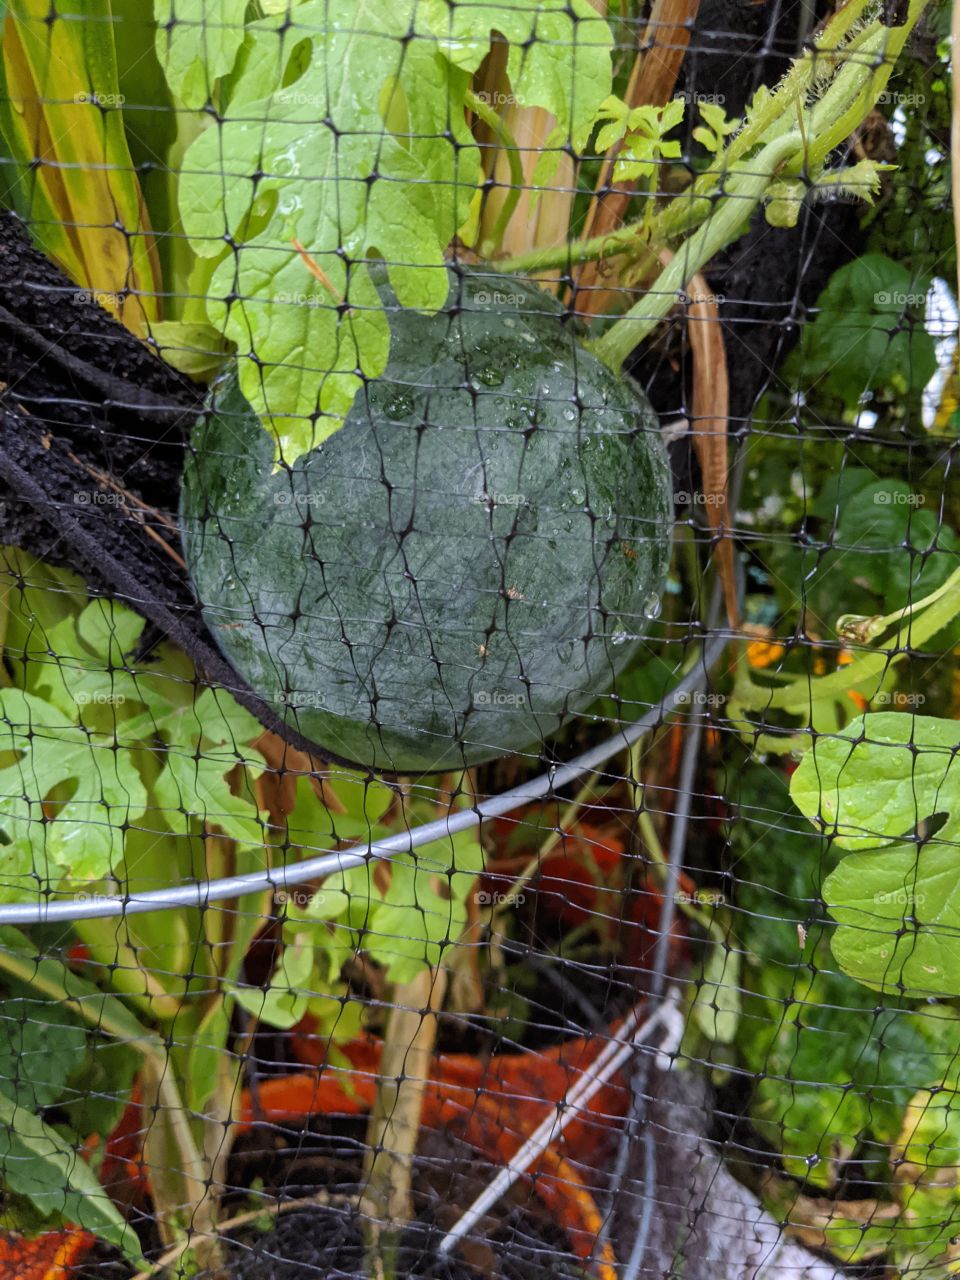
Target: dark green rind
column 471, row 557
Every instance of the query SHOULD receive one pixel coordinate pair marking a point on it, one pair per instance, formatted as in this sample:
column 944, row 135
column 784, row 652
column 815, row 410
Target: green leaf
column 195, row 788
column 192, row 347
column 880, row 778
column 361, row 150
column 36, row 1162
column 197, row 43
column 716, row 1006
column 559, row 55
column 888, row 548
column 879, row 784
column 83, row 836
column 40, row 1045
column 899, row 916
column 868, row 333
column 336, row 181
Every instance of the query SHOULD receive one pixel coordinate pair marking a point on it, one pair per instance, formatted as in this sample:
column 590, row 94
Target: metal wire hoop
column 101, row 906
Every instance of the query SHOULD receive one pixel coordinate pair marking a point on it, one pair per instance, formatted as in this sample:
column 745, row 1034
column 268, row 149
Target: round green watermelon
column 469, row 559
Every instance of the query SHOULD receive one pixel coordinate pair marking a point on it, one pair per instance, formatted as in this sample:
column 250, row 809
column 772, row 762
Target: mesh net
column 479, row 565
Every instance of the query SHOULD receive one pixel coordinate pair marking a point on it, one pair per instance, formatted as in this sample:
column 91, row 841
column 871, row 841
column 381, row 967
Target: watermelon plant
column 456, row 525
column 116, row 777
column 427, row 514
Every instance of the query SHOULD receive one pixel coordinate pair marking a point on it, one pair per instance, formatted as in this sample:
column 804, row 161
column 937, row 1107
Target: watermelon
column 472, row 557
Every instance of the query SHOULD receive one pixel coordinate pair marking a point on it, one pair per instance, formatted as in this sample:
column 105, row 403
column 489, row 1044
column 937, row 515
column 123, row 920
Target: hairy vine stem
column 725, row 223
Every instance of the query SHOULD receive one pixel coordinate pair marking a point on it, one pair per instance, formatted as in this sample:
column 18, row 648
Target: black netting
column 479, row 559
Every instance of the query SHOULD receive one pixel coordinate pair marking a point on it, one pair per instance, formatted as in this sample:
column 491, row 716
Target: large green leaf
column 321, row 167
column 38, row 1163
column 889, row 787
column 880, row 778
column 83, row 834
column 350, row 139
column 868, row 333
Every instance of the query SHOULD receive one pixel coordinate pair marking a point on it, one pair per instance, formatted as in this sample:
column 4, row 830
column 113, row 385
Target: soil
column 516, row 1240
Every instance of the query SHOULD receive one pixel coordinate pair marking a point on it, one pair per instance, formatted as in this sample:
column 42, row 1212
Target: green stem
column 863, row 629
column 866, row 671
column 629, row 239
column 746, row 190
column 842, row 109
column 775, row 116
column 869, row 59
column 498, row 126
column 857, row 87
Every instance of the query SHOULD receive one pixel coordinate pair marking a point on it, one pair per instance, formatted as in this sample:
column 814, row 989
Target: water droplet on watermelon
column 398, row 405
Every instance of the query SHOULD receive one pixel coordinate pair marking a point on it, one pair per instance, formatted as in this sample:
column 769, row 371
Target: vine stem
column 841, row 110
column 870, row 57
column 723, row 226
column 497, row 125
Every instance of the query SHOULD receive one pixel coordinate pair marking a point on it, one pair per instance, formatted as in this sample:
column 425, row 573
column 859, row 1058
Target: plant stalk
column 408, row 1044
